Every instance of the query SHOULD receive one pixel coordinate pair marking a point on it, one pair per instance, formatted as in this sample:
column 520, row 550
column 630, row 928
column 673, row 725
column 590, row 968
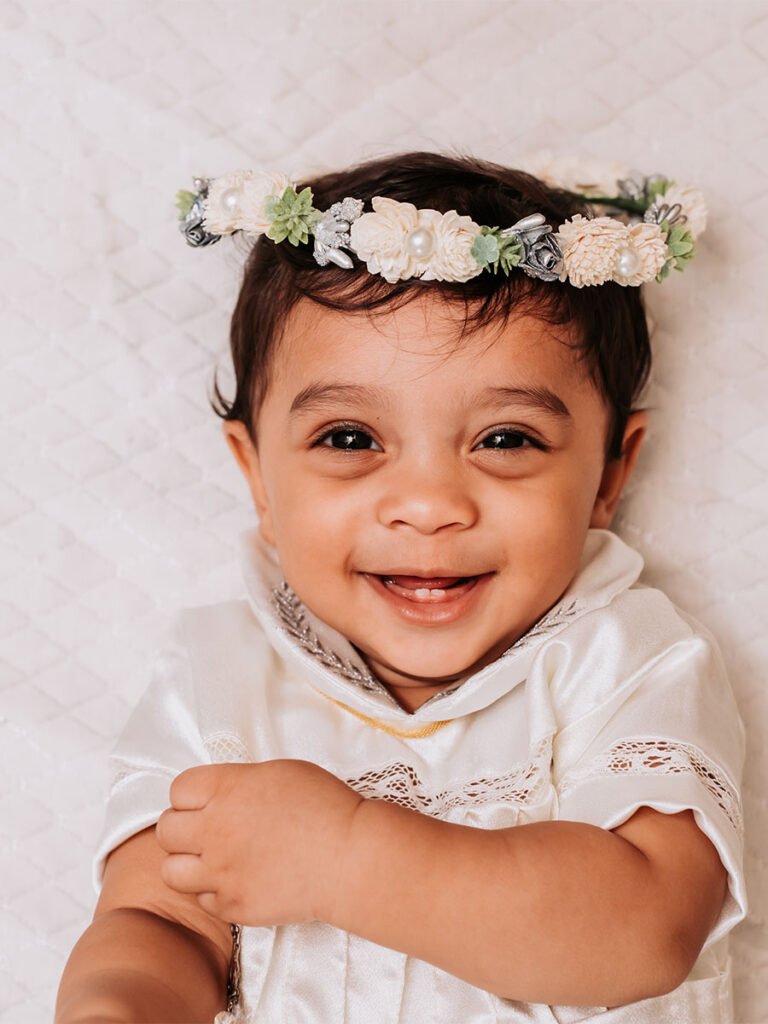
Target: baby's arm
column 556, row 912
column 150, row 954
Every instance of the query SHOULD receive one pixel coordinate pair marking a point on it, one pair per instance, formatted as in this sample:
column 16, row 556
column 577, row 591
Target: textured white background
column 117, row 497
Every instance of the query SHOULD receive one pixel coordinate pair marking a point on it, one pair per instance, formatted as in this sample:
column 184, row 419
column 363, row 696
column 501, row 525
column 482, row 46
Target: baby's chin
column 420, row 673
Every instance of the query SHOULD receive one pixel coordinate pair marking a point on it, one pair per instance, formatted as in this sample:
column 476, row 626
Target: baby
column 450, row 761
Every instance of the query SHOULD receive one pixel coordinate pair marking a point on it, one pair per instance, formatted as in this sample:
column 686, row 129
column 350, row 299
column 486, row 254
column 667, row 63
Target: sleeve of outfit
column 660, row 729
column 161, row 738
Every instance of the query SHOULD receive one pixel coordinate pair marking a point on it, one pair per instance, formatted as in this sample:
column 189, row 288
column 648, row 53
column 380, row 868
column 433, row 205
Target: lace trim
column 662, row 757
column 226, row 748
column 400, row 784
column 558, row 616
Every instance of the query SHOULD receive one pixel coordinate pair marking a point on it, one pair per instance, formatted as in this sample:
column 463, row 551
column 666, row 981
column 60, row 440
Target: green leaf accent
column 485, row 248
column 492, row 250
column 269, row 206
column 511, row 253
column 293, row 216
column 184, row 201
column 657, row 187
column 680, row 248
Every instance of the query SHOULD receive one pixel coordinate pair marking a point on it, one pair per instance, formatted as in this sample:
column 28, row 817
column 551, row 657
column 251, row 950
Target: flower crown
column 654, row 230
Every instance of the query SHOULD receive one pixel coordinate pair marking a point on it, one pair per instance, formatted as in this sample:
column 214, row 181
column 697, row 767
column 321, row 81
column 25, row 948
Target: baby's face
column 430, row 504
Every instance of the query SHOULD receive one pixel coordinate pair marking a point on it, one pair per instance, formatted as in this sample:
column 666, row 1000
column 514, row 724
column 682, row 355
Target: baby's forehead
column 430, row 342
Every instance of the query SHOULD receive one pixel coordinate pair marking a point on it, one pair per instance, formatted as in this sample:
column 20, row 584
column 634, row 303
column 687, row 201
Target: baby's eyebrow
column 536, row 397
column 319, row 395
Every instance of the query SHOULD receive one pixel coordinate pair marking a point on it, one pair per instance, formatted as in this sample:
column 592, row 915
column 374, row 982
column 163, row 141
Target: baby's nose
column 428, row 501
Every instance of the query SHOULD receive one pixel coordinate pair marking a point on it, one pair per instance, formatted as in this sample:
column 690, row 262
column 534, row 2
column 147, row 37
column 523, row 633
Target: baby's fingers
column 184, row 872
column 194, row 787
column 177, row 832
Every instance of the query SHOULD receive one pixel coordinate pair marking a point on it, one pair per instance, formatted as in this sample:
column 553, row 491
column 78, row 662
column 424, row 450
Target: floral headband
column 653, row 232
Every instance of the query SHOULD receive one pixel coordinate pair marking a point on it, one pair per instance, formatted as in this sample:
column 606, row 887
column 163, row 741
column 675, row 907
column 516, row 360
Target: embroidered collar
column 334, row 666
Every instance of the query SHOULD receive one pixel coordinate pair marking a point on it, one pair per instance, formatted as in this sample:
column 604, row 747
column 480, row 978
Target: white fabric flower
column 381, row 239
column 590, row 249
column 235, row 201
column 692, row 202
column 643, row 257
column 452, row 259
column 222, row 204
column 586, row 176
column 256, row 191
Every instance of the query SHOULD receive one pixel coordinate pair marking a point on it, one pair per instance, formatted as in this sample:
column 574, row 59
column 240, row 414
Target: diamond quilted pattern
column 118, row 500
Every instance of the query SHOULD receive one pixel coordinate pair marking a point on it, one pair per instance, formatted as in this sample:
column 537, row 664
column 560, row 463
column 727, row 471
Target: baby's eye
column 508, row 439
column 349, row 439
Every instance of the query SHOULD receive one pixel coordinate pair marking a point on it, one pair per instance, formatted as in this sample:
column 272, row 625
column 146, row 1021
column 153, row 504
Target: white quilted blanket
column 117, row 498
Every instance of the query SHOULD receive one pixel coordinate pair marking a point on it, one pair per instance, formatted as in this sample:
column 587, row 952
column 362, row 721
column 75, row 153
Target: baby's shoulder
column 221, row 643
column 230, row 621
column 640, row 634
column 643, row 616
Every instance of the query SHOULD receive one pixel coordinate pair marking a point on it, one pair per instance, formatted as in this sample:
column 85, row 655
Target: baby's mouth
column 429, row 590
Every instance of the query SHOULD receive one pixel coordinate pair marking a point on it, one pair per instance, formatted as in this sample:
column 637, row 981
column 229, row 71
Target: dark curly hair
column 609, row 328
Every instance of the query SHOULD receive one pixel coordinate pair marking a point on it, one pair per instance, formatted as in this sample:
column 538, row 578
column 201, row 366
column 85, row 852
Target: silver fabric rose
column 191, row 224
column 542, row 257
column 331, row 233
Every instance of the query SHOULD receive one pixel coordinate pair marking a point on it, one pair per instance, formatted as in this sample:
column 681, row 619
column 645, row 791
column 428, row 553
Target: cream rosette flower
column 590, row 249
column 692, row 203
column 452, row 258
column 604, row 249
column 642, row 257
column 399, row 241
column 236, row 201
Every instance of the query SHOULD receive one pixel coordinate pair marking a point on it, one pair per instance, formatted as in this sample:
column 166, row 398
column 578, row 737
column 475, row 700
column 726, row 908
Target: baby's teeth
column 424, row 593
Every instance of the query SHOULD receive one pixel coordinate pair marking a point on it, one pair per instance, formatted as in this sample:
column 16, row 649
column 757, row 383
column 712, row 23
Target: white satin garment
column 615, row 700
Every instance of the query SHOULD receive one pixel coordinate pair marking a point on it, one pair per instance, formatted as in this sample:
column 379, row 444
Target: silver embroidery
column 556, row 617
column 442, row 693
column 640, row 756
column 291, row 613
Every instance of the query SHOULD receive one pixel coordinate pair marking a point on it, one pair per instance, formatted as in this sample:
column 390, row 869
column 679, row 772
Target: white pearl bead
column 420, row 243
column 230, row 198
column 628, row 262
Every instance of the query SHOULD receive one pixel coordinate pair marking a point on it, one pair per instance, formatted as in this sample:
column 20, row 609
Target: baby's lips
column 423, row 583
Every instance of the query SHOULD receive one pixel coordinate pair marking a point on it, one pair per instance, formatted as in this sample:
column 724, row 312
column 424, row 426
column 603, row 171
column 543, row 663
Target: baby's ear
column 247, row 458
column 618, row 471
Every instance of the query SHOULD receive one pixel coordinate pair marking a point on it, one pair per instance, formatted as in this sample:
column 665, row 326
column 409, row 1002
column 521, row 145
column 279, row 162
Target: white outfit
column 614, row 700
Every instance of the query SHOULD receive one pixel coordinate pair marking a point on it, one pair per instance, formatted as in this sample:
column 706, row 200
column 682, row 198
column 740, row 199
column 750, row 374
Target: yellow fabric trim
column 425, row 730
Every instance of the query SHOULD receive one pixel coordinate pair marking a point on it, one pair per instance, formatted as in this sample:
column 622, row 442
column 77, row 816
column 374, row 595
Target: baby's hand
column 258, row 844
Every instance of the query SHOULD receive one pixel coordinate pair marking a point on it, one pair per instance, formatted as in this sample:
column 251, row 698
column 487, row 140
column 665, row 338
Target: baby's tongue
column 420, row 583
